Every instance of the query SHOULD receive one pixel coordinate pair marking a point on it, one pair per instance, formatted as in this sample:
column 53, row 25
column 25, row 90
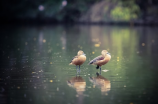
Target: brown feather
column 102, row 59
column 74, row 58
column 78, row 60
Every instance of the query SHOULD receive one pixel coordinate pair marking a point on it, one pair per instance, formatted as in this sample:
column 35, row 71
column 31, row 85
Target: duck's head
column 80, row 53
column 105, row 52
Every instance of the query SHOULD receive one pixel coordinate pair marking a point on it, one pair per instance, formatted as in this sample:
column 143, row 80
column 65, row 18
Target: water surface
column 35, row 65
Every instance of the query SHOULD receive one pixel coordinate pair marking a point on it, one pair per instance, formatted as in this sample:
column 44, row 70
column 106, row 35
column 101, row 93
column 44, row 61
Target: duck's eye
column 106, row 53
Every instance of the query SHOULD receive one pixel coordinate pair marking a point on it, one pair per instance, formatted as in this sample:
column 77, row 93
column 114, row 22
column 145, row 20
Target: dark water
column 35, row 66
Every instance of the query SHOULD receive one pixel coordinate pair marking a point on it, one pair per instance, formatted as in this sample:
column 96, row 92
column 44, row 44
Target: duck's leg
column 79, row 69
column 100, row 70
column 76, row 70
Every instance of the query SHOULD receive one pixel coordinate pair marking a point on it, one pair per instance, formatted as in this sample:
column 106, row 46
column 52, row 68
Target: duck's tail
column 70, row 63
column 91, row 62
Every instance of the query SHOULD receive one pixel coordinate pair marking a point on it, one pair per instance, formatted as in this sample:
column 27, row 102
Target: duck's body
column 101, row 60
column 79, row 59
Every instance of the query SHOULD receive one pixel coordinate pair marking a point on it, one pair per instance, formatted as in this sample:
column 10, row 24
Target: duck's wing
column 99, row 58
column 74, row 58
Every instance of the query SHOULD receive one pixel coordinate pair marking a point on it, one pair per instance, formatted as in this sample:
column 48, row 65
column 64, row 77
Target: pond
column 35, row 65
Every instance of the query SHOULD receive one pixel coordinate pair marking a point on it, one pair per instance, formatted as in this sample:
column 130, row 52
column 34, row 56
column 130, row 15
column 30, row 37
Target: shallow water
column 35, row 65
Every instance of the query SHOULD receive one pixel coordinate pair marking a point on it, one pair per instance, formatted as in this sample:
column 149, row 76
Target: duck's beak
column 84, row 54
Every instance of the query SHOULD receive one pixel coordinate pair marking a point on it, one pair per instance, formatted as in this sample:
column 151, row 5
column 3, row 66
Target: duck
column 78, row 60
column 101, row 60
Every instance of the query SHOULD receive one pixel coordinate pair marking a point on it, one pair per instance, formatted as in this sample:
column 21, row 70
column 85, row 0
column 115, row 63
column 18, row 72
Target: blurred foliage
column 52, row 9
column 74, row 9
column 125, row 13
column 148, row 8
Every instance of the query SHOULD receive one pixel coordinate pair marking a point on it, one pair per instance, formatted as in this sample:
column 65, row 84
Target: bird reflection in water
column 79, row 84
column 102, row 83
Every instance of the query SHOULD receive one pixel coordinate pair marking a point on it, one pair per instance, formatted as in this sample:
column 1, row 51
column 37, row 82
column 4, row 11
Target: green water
column 35, row 65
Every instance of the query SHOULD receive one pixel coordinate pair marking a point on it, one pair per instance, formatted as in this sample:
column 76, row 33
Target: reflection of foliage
column 120, row 42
